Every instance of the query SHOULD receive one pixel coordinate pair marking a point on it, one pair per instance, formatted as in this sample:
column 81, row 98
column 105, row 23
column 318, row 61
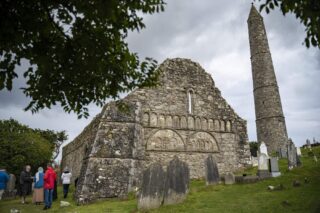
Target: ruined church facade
column 184, row 116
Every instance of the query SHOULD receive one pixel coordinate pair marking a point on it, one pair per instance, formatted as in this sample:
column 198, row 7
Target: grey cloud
column 214, row 33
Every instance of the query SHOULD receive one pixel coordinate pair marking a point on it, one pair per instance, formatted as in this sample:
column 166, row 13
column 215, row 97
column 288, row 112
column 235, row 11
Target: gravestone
column 292, row 155
column 263, row 166
column 211, row 169
column 282, row 153
column 315, row 158
column 177, row 182
column 152, row 187
column 229, row 178
column 299, row 163
column 263, row 149
column 299, row 151
column 11, row 187
column 274, row 167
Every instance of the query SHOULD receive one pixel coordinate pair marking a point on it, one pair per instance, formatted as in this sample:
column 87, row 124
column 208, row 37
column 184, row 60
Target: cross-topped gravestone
column 211, row 168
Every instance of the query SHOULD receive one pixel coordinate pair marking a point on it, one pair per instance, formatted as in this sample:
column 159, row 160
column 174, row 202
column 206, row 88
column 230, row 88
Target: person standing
column 25, row 183
column 66, row 179
column 49, row 178
column 4, row 178
column 38, row 187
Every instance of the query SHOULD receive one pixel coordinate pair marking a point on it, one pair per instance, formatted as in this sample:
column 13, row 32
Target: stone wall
column 184, row 116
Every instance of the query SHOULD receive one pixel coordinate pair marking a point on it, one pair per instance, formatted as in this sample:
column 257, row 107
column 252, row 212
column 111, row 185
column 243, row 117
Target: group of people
column 44, row 184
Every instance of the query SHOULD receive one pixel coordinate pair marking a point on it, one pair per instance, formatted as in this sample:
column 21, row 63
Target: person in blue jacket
column 38, row 187
column 4, row 178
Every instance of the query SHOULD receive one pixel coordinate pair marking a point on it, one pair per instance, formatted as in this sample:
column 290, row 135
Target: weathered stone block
column 152, row 187
column 229, row 178
column 177, row 182
column 212, row 173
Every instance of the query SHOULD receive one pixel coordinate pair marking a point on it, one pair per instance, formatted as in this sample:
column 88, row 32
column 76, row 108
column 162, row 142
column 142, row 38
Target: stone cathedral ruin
column 184, row 116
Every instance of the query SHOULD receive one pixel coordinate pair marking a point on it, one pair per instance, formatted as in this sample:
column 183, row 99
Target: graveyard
column 251, row 197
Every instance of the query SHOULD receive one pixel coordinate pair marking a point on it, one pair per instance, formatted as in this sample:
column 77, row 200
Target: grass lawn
column 220, row 198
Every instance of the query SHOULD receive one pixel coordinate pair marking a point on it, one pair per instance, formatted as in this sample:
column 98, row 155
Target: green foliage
column 307, row 11
column 21, row 145
column 254, row 148
column 76, row 49
column 253, row 197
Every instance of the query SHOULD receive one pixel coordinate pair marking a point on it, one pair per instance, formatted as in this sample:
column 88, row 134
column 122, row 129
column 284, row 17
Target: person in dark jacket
column 25, row 183
column 4, row 178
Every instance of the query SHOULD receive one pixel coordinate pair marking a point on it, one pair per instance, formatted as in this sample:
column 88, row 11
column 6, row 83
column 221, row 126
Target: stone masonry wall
column 184, row 116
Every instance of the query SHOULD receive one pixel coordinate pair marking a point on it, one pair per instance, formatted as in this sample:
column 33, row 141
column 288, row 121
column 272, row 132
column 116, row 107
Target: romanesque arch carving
column 217, row 125
column 176, row 121
column 168, row 121
column 183, row 122
column 161, row 121
column 165, row 140
column 228, row 126
column 198, row 123
column 153, row 119
column 210, row 125
column 145, row 119
column 222, row 126
column 202, row 142
column 204, row 124
column 190, row 122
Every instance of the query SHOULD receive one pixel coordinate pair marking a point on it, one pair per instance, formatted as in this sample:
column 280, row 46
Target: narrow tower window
column 190, row 101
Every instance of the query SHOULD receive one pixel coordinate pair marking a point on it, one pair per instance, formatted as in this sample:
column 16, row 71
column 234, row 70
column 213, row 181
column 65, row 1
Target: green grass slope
column 253, row 197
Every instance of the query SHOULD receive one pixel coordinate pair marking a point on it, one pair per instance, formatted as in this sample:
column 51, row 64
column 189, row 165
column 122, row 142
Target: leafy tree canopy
column 76, row 50
column 307, row 11
column 21, row 145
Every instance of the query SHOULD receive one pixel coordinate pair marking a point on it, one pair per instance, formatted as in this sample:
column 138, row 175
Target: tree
column 56, row 139
column 21, row 145
column 76, row 49
column 307, row 11
column 253, row 148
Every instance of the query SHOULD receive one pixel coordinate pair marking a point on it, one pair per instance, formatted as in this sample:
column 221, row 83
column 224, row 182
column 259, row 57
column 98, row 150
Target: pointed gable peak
column 254, row 13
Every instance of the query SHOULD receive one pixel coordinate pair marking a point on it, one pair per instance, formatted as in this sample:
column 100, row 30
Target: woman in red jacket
column 49, row 177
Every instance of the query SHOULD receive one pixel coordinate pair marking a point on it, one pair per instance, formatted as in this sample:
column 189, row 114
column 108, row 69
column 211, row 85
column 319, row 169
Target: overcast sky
column 213, row 33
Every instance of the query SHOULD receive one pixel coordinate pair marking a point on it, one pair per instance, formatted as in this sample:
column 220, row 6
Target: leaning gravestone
column 263, row 166
column 229, row 178
column 177, row 182
column 152, row 187
column 212, row 173
column 283, row 153
column 274, row 167
column 263, row 149
column 292, row 155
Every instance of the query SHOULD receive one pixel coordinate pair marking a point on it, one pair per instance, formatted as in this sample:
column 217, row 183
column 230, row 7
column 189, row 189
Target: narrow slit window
column 190, row 101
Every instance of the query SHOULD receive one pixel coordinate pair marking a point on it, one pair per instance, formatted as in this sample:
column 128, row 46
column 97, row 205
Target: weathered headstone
column 263, row 166
column 274, row 167
column 177, row 182
column 263, row 149
column 292, row 155
column 212, row 173
column 282, row 153
column 299, row 151
column 299, row 163
column 11, row 186
column 229, row 178
column 315, row 158
column 152, row 187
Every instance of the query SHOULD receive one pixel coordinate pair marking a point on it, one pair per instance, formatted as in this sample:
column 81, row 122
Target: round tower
column 270, row 121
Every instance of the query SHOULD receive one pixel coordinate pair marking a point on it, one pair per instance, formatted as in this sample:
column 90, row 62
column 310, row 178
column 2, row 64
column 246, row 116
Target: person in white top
column 66, row 179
